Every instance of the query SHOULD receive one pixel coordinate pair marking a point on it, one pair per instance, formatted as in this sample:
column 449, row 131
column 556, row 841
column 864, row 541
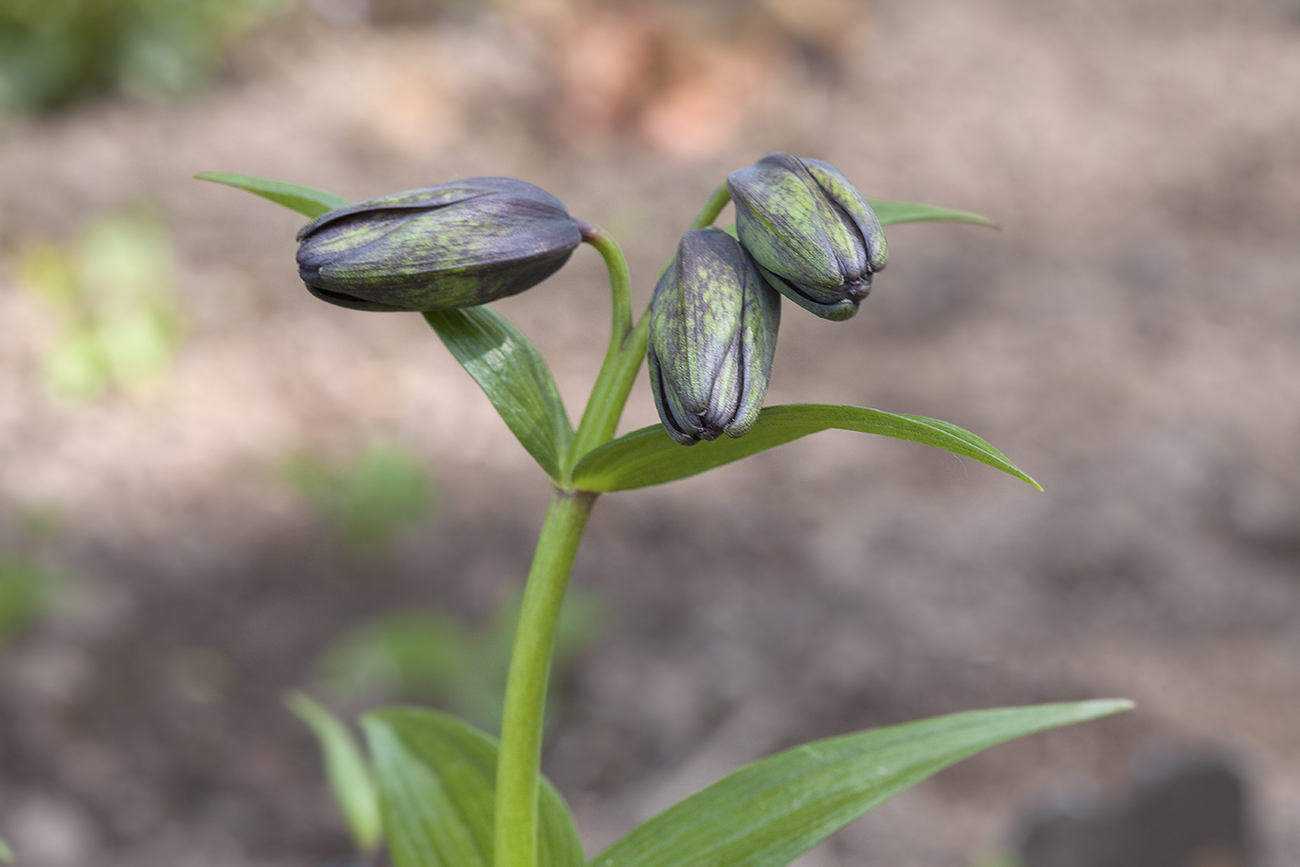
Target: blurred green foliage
column 115, row 296
column 27, row 592
column 997, row 858
column 430, row 655
column 368, row 499
column 54, row 53
column 349, row 773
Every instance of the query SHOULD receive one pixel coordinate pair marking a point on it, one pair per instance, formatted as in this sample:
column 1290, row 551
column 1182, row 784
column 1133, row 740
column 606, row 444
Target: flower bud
column 458, row 244
column 813, row 234
column 713, row 324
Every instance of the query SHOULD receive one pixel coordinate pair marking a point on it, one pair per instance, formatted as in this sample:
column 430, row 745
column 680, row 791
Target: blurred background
column 215, row 489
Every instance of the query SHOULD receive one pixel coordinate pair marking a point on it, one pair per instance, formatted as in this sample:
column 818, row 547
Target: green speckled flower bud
column 458, row 244
column 713, row 324
column 810, row 230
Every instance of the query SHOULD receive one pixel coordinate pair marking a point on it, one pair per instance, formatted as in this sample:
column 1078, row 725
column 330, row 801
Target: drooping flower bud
column 713, row 324
column 458, row 244
column 810, row 230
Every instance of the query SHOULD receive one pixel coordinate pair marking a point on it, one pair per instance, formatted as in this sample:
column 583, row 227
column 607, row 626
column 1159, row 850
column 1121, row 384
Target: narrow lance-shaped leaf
column 346, row 769
column 514, row 376
column 308, row 201
column 893, row 213
column 768, row 813
column 649, row 457
column 437, row 778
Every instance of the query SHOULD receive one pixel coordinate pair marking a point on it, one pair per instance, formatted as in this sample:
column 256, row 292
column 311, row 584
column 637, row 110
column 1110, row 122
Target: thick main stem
column 519, row 759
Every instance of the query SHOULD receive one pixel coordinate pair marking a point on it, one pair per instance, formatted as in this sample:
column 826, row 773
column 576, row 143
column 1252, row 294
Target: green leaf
column 515, row 378
column 437, row 778
column 768, row 813
column 6, row 854
column 892, row 213
column 346, row 769
column 308, row 201
column 649, row 456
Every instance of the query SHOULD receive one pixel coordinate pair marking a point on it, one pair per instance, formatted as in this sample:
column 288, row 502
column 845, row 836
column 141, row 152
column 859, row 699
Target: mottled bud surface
column 810, row 230
column 713, row 325
column 458, row 244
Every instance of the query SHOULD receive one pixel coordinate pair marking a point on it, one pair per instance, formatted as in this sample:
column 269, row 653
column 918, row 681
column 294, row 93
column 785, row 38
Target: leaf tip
column 308, row 710
column 298, row 702
column 215, row 177
column 1105, row 707
column 977, row 219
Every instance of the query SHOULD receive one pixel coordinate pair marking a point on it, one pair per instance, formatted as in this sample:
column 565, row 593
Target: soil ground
column 1131, row 337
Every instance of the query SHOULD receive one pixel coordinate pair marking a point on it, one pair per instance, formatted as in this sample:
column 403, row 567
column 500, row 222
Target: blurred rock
column 1187, row 814
column 51, row 673
column 52, row 832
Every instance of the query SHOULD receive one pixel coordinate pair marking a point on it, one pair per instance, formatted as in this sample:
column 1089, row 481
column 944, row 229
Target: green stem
column 519, row 759
column 620, row 281
column 622, row 359
column 712, row 207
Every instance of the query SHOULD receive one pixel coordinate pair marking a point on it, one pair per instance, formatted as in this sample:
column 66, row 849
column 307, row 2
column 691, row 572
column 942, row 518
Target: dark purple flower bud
column 810, row 230
column 713, row 324
column 458, row 244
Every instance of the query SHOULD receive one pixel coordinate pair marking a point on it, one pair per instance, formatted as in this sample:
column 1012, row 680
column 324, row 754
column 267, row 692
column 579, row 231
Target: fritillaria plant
column 435, row 791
